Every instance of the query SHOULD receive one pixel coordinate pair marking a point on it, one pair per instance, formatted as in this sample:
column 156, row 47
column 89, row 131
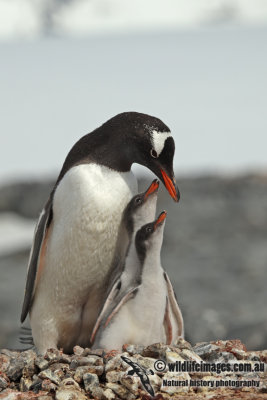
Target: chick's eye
column 138, row 200
column 153, row 153
column 149, row 229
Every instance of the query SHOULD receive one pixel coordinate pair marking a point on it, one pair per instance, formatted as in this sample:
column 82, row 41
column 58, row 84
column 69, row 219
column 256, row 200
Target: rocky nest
column 96, row 374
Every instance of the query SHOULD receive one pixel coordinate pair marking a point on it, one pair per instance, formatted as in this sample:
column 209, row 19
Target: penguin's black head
column 145, row 140
column 141, row 207
column 150, row 235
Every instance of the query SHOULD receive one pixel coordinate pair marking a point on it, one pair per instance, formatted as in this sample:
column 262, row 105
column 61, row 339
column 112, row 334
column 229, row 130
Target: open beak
column 152, row 188
column 170, row 186
column 160, row 220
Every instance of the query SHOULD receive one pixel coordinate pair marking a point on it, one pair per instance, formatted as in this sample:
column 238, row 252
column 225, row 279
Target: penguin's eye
column 153, row 153
column 149, row 229
column 138, row 200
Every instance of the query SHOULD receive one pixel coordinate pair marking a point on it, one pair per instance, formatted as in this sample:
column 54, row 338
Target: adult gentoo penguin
column 141, row 307
column 76, row 232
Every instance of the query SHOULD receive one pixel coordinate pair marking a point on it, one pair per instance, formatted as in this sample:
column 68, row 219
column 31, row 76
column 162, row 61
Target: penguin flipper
column 36, row 255
column 120, row 302
column 174, row 307
column 112, row 294
column 112, row 305
column 167, row 323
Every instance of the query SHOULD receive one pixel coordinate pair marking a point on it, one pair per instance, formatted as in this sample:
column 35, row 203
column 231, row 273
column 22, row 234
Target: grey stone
column 93, row 352
column 41, row 363
column 108, row 394
column 55, row 355
column 132, row 383
column 171, row 378
column 78, row 351
column 4, row 362
column 156, row 350
column 79, row 361
column 25, row 384
column 91, row 385
column 116, row 363
column 182, row 344
column 69, row 382
column 3, row 383
column 121, row 391
column 204, row 349
column 54, row 376
column 114, row 376
column 48, row 386
column 133, row 349
column 69, row 394
column 14, row 371
column 90, row 380
column 88, row 369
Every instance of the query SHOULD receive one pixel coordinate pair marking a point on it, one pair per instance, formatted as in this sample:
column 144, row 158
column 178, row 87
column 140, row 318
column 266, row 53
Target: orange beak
column 160, row 219
column 170, row 186
column 152, row 188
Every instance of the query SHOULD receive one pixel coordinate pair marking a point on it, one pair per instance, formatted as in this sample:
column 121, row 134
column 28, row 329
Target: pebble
column 132, row 383
column 54, row 355
column 145, row 362
column 70, row 394
column 116, row 363
column 156, row 350
column 121, row 391
column 3, row 383
column 78, row 351
column 94, row 352
column 41, row 363
column 25, row 384
column 48, row 385
column 4, row 362
column 91, row 385
column 182, row 344
column 114, row 376
column 108, row 394
column 14, row 371
column 172, row 357
column 69, row 382
column 80, row 361
column 132, row 349
column 171, row 379
column 204, row 349
column 54, row 376
column 80, row 371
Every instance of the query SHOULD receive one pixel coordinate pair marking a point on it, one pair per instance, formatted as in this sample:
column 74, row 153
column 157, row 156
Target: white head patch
column 158, row 140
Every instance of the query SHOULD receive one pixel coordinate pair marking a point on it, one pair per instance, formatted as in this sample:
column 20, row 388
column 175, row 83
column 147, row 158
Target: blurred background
column 201, row 66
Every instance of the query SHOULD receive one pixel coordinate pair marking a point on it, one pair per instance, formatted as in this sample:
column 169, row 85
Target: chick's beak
column 152, row 188
column 160, row 219
column 170, row 186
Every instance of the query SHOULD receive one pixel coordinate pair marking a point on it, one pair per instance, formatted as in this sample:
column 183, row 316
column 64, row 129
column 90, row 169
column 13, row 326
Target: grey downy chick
column 143, row 308
column 141, row 207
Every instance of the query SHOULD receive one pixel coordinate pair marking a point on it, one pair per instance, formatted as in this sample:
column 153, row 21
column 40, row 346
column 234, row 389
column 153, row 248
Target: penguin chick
column 143, row 308
column 142, row 207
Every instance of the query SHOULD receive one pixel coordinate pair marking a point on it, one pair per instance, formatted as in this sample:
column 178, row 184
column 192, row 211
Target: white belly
column 140, row 320
column 87, row 209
